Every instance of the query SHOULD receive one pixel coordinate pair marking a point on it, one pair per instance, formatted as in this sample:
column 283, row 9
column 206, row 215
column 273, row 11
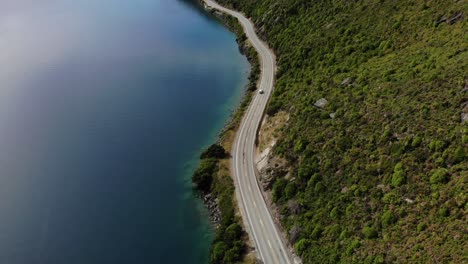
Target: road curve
column 257, row 218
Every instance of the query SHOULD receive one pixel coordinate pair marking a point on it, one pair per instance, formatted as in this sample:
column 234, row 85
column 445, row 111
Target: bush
column 390, row 198
column 416, row 142
column 218, row 252
column 301, row 245
column 421, row 227
column 317, row 232
column 335, row 213
column 459, row 155
column 436, row 145
column 355, row 244
column 233, row 232
column 278, row 189
column 290, row 190
column 388, row 218
column 444, row 212
column 398, row 178
column 439, row 176
column 369, row 232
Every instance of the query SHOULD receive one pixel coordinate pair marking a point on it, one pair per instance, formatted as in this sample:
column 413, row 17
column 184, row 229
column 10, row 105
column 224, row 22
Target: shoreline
column 226, row 136
column 246, row 47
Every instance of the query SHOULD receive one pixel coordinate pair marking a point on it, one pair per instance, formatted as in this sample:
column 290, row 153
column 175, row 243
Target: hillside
column 374, row 149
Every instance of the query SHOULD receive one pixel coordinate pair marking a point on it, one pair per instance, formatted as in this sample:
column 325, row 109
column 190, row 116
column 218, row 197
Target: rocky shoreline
column 212, row 204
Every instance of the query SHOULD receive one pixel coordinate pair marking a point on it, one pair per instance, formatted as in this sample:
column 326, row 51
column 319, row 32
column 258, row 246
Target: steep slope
column 377, row 171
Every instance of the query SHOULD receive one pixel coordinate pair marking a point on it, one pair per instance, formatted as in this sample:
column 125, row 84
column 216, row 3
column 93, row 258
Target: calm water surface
column 104, row 106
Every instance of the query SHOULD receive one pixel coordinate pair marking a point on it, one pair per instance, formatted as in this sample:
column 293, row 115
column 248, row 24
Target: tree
column 214, row 151
column 233, row 232
column 203, row 175
column 218, row 252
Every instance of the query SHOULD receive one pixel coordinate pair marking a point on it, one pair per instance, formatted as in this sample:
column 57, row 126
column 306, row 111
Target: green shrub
column 301, row 246
column 354, row 245
column 444, row 212
column 335, row 213
column 390, row 198
column 290, row 190
column 233, row 232
column 398, row 178
column 436, row 145
column 319, row 187
column 421, row 227
column 416, row 142
column 369, row 232
column 379, row 260
column 278, row 188
column 388, row 218
column 218, row 252
column 439, row 176
column 313, row 180
column 459, row 154
column 317, row 232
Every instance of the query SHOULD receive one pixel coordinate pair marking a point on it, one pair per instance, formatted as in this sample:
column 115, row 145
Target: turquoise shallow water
column 104, row 107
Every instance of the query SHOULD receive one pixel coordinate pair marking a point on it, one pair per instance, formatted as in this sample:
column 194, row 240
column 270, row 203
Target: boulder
column 347, row 81
column 321, row 103
column 464, row 117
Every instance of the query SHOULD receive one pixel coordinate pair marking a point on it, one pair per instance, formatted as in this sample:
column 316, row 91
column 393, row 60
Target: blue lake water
column 104, row 107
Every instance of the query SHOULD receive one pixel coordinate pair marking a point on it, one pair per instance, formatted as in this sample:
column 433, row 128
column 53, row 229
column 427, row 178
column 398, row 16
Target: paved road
column 256, row 216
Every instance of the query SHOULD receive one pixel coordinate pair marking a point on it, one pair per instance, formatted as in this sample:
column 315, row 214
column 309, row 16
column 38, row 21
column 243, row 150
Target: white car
column 261, row 91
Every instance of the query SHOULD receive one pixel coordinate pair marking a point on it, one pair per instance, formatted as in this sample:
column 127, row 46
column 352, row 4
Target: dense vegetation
column 379, row 173
column 228, row 245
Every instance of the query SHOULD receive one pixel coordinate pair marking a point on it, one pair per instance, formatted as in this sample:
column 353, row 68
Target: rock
column 464, row 117
column 294, row 207
column 294, row 234
column 347, row 81
column 332, row 115
column 409, row 200
column 465, row 107
column 321, row 103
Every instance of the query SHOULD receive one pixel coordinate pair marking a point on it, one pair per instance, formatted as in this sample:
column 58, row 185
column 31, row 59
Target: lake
column 105, row 106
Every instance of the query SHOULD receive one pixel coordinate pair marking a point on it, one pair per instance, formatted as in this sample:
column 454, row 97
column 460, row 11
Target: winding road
column 257, row 217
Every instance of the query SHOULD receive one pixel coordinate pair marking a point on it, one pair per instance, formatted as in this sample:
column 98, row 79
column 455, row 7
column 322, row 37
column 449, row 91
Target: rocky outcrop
column 211, row 203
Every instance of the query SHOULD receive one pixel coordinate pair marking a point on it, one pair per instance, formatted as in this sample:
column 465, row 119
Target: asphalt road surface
column 257, row 218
